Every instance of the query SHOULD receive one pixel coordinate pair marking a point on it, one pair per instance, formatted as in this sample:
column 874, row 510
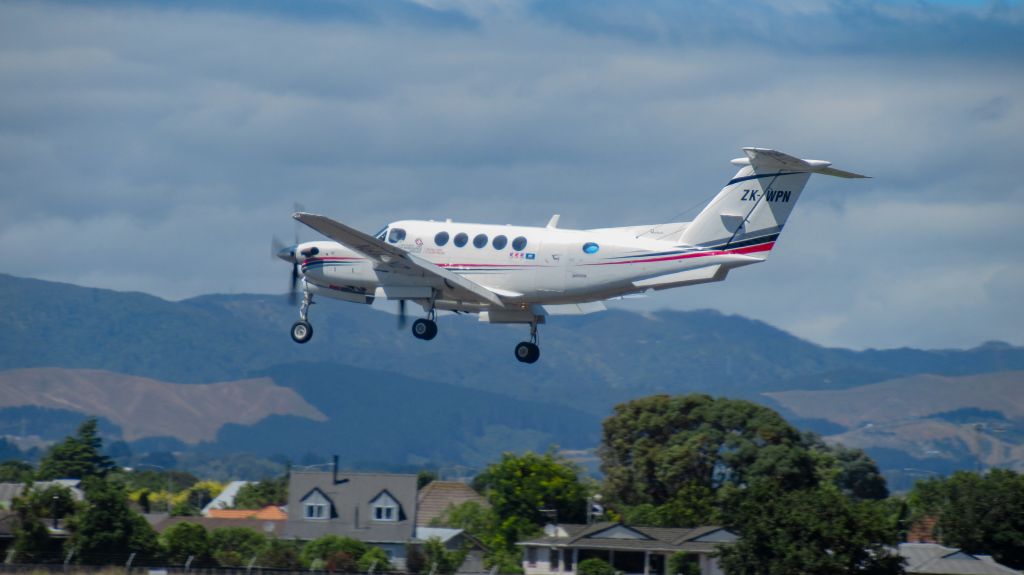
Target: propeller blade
column 292, row 293
column 401, row 313
column 276, row 246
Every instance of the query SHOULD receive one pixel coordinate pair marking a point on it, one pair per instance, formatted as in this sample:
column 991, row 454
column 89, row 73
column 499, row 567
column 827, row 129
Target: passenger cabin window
column 590, row 248
column 460, row 239
column 441, row 238
column 519, row 244
column 499, row 242
column 396, row 235
column 480, row 240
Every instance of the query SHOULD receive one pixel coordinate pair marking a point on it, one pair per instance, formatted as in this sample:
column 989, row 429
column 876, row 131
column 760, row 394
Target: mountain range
column 461, row 398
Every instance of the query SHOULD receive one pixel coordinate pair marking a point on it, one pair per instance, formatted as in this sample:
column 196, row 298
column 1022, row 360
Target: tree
column 185, row 540
column 260, row 494
column 682, row 563
column 375, row 558
column 425, row 477
column 816, row 530
column 280, row 554
column 235, row 546
column 852, row 470
column 323, row 549
column 32, row 543
column 80, row 456
column 440, row 560
column 484, row 524
column 595, row 566
column 107, row 530
column 532, row 487
column 977, row 513
column 655, row 447
column 16, row 472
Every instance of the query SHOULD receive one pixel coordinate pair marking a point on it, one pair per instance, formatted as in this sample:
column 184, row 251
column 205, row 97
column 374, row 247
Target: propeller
column 279, row 250
column 401, row 314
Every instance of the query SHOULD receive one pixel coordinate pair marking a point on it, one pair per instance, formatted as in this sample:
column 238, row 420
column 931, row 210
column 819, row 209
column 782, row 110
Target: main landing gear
column 528, row 351
column 425, row 328
column 302, row 331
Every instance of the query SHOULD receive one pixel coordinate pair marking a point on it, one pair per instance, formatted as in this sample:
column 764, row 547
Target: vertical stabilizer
column 751, row 210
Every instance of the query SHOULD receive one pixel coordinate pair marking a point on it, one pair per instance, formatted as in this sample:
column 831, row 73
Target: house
column 380, row 509
column 631, row 549
column 933, row 558
column 225, row 499
column 10, row 490
column 437, row 496
column 269, row 527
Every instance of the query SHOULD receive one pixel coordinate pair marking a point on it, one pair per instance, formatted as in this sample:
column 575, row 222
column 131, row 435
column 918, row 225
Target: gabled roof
column 935, row 558
column 610, row 535
column 437, row 496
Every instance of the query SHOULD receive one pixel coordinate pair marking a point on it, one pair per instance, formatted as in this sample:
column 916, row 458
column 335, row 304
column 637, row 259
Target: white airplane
column 520, row 274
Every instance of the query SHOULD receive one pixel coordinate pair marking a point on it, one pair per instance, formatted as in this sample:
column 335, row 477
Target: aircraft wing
column 395, row 258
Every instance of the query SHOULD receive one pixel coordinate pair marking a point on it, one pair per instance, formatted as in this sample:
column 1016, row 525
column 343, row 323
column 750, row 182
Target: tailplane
column 751, row 210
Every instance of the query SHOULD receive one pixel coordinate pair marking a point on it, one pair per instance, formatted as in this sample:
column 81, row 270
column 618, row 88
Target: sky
column 158, row 146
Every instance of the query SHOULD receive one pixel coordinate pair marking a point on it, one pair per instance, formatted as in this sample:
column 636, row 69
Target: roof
column 619, row 536
column 210, row 523
column 226, row 498
column 10, row 490
column 437, row 496
column 935, row 558
column 350, row 495
column 268, row 513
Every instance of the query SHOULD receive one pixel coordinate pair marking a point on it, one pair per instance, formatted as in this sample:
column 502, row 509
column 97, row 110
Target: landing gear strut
column 425, row 328
column 528, row 351
column 302, row 331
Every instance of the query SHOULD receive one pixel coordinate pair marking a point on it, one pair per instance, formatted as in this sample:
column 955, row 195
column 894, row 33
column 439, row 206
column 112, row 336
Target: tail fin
column 750, row 211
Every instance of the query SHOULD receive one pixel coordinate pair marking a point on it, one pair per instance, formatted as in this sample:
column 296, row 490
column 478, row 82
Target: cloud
column 159, row 146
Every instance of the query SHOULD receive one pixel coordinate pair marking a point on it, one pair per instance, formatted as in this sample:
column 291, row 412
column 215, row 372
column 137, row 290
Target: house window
column 316, row 511
column 385, row 508
column 531, row 556
column 553, row 559
column 382, row 513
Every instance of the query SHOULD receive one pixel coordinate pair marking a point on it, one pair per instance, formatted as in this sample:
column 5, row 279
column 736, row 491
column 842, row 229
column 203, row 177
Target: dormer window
column 385, row 508
column 316, row 506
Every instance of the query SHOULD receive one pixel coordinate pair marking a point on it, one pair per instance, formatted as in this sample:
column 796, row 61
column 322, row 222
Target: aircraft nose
column 287, row 253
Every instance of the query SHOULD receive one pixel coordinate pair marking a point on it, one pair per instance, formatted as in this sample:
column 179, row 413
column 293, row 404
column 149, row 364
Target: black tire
column 424, row 329
column 527, row 352
column 302, row 331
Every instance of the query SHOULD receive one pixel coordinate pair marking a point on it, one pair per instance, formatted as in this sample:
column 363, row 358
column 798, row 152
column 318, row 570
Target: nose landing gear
column 302, row 331
column 529, row 351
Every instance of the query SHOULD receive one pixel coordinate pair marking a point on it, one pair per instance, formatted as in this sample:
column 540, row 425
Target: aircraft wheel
column 302, row 331
column 424, row 329
column 527, row 352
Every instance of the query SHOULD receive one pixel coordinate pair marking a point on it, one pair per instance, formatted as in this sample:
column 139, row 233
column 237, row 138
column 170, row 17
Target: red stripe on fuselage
column 744, row 250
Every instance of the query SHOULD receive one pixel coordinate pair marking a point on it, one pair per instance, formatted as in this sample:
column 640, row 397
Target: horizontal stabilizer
column 764, row 160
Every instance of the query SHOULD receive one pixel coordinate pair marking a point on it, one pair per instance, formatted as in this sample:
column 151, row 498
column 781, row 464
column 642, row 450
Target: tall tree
column 656, row 447
column 814, row 531
column 78, row 457
column 107, row 530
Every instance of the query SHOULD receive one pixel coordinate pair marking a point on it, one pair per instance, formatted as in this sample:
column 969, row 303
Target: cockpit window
column 396, row 235
column 383, row 233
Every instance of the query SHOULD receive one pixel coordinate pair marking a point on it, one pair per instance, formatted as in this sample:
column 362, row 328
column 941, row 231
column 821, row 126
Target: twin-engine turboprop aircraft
column 519, row 274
